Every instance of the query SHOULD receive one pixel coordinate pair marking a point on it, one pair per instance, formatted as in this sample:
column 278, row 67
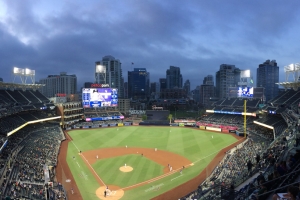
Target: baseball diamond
column 124, row 164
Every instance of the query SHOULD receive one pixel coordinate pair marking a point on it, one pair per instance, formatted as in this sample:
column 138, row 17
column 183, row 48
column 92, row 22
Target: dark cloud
column 197, row 36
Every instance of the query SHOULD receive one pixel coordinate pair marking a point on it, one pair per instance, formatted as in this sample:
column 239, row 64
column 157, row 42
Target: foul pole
column 245, row 118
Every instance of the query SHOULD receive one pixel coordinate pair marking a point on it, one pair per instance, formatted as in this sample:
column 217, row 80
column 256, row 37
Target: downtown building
column 173, row 78
column 61, row 85
column 207, row 90
column 187, row 86
column 267, row 77
column 138, row 84
column 228, row 76
column 109, row 71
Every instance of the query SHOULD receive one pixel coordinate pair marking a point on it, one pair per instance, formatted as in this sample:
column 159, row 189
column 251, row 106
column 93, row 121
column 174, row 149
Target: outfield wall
column 101, row 125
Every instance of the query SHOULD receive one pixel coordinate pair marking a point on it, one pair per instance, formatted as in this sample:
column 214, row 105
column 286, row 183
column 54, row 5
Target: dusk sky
column 197, row 36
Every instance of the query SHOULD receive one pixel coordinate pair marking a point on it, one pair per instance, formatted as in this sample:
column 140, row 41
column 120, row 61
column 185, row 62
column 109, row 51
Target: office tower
column 196, row 94
column 187, row 86
column 138, row 83
column 228, row 76
column 174, row 78
column 87, row 84
column 154, row 90
column 59, row 84
column 267, row 77
column 109, row 71
column 125, row 90
column 163, row 84
column 207, row 90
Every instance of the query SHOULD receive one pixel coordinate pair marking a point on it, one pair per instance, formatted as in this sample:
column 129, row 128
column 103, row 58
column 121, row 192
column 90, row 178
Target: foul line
column 78, row 164
column 214, row 152
column 86, row 160
column 176, row 177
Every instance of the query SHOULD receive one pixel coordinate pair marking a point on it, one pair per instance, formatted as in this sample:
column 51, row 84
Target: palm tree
column 170, row 117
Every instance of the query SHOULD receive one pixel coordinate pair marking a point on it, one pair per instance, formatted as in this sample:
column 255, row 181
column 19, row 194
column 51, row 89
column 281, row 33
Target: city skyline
column 197, row 36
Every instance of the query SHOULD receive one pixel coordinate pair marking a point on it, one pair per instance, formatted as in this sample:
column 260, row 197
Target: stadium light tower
column 23, row 74
column 292, row 69
column 31, row 74
column 100, row 73
column 18, row 72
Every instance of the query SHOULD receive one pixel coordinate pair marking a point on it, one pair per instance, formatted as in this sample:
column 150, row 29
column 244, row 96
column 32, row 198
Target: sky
column 196, row 35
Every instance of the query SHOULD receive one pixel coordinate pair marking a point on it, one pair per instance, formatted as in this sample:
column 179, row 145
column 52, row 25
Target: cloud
column 197, row 36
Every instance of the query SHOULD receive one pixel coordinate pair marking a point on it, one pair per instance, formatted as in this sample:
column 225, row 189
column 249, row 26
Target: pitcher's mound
column 126, row 169
column 110, row 193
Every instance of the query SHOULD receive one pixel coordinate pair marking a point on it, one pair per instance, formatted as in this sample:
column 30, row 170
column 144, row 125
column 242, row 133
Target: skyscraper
column 59, row 84
column 154, row 90
column 113, row 73
column 227, row 76
column 138, row 83
column 187, row 86
column 163, row 84
column 174, row 78
column 207, row 90
column 267, row 76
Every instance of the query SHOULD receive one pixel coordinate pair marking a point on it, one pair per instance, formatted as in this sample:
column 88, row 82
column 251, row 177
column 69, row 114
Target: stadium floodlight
column 29, row 72
column 245, row 73
column 100, row 73
column 18, row 71
column 100, row 69
column 293, row 69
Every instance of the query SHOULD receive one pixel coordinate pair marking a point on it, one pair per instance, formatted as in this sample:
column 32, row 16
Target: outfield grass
column 194, row 144
column 144, row 169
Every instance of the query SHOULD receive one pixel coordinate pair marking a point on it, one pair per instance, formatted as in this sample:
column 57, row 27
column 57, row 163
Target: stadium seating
column 279, row 156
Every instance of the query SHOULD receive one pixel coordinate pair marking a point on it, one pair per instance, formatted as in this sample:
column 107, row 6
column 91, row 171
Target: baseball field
column 136, row 162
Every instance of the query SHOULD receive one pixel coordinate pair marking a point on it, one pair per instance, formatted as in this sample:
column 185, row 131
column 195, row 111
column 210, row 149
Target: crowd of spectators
column 269, row 164
column 27, row 153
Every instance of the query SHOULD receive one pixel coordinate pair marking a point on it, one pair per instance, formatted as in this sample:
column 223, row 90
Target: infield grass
column 144, row 169
column 196, row 145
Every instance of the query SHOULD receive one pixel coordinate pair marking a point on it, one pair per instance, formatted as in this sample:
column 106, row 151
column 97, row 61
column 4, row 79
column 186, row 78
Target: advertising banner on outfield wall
column 202, row 127
column 104, row 125
column 120, row 124
column 85, row 127
column 112, row 124
column 180, row 124
column 213, row 129
column 232, row 131
column 225, row 130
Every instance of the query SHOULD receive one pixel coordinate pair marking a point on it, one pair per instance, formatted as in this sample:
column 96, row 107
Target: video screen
column 99, row 97
column 241, row 92
column 245, row 92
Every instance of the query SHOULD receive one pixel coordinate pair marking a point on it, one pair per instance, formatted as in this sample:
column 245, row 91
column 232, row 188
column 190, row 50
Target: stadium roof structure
column 292, row 85
column 20, row 86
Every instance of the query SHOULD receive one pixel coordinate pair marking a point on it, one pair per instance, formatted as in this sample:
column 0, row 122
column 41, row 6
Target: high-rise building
column 87, row 84
column 207, row 90
column 154, row 90
column 267, row 77
column 125, row 90
column 138, row 83
column 228, row 76
column 174, row 78
column 163, row 84
column 187, row 86
column 196, row 94
column 109, row 71
column 59, row 85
